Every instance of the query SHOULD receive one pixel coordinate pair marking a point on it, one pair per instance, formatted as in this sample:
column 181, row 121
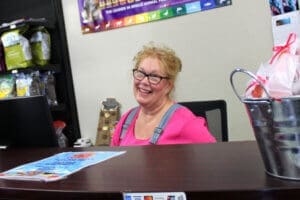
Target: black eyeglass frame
column 148, row 76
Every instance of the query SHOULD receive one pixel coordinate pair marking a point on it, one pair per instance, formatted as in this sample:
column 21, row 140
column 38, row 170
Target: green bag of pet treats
column 40, row 45
column 17, row 51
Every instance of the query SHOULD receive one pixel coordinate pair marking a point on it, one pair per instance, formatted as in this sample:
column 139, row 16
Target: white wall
column 211, row 44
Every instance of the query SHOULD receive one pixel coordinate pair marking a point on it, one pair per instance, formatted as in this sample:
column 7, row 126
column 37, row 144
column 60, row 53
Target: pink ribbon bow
column 285, row 48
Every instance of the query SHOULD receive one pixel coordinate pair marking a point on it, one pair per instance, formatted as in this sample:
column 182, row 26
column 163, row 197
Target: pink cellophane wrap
column 281, row 75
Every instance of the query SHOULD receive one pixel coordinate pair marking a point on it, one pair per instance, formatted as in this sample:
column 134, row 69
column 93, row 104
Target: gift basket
column 272, row 102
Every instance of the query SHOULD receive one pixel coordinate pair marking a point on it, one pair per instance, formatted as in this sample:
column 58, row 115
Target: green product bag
column 40, row 46
column 17, row 51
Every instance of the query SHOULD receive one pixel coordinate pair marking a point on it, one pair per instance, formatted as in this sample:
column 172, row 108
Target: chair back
column 215, row 113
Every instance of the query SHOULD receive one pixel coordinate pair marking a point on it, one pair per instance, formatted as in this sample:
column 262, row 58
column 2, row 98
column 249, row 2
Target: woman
column 154, row 73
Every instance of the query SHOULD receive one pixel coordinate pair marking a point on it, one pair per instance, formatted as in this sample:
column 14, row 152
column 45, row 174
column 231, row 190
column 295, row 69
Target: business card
column 154, row 196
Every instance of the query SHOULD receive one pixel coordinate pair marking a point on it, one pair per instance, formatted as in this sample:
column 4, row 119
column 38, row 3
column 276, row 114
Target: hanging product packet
column 36, row 87
column 40, row 45
column 23, row 82
column 17, row 51
column 7, row 86
column 281, row 74
column 49, row 82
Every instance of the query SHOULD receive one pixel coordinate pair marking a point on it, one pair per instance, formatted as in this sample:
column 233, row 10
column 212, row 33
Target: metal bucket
column 276, row 125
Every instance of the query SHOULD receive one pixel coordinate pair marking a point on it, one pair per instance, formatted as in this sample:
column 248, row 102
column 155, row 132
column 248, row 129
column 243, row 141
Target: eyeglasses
column 152, row 78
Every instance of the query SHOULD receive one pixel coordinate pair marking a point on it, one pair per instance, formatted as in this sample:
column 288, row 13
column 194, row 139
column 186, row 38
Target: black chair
column 215, row 113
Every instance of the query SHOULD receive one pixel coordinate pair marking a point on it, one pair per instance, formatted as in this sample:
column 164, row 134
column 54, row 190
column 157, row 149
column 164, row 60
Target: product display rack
column 50, row 15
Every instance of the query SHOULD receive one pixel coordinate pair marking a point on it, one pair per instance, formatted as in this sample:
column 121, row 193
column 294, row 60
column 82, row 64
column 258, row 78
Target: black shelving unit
column 52, row 12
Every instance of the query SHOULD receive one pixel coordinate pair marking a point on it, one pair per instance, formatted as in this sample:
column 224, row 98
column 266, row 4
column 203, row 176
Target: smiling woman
column 158, row 119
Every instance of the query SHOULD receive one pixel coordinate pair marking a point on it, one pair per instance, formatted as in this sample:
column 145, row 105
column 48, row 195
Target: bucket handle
column 252, row 76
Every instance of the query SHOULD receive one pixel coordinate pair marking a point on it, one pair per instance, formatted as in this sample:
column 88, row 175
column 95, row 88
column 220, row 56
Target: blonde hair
column 170, row 62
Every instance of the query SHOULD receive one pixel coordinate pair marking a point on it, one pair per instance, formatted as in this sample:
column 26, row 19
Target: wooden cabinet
column 51, row 10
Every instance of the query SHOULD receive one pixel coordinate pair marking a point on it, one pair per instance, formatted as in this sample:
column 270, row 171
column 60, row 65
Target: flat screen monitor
column 26, row 122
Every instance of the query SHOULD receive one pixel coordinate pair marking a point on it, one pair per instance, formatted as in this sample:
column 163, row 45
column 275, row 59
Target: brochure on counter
column 58, row 166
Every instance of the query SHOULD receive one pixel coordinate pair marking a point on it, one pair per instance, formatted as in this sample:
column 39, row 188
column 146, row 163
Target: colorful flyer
column 102, row 15
column 58, row 166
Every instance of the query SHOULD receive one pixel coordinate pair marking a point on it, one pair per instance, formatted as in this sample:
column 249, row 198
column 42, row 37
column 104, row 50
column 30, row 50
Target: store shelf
column 7, row 26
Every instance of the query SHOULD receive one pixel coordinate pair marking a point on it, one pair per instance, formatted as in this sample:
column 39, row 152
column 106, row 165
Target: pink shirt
column 183, row 127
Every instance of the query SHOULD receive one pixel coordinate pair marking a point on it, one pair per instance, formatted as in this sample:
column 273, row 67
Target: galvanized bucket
column 276, row 125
